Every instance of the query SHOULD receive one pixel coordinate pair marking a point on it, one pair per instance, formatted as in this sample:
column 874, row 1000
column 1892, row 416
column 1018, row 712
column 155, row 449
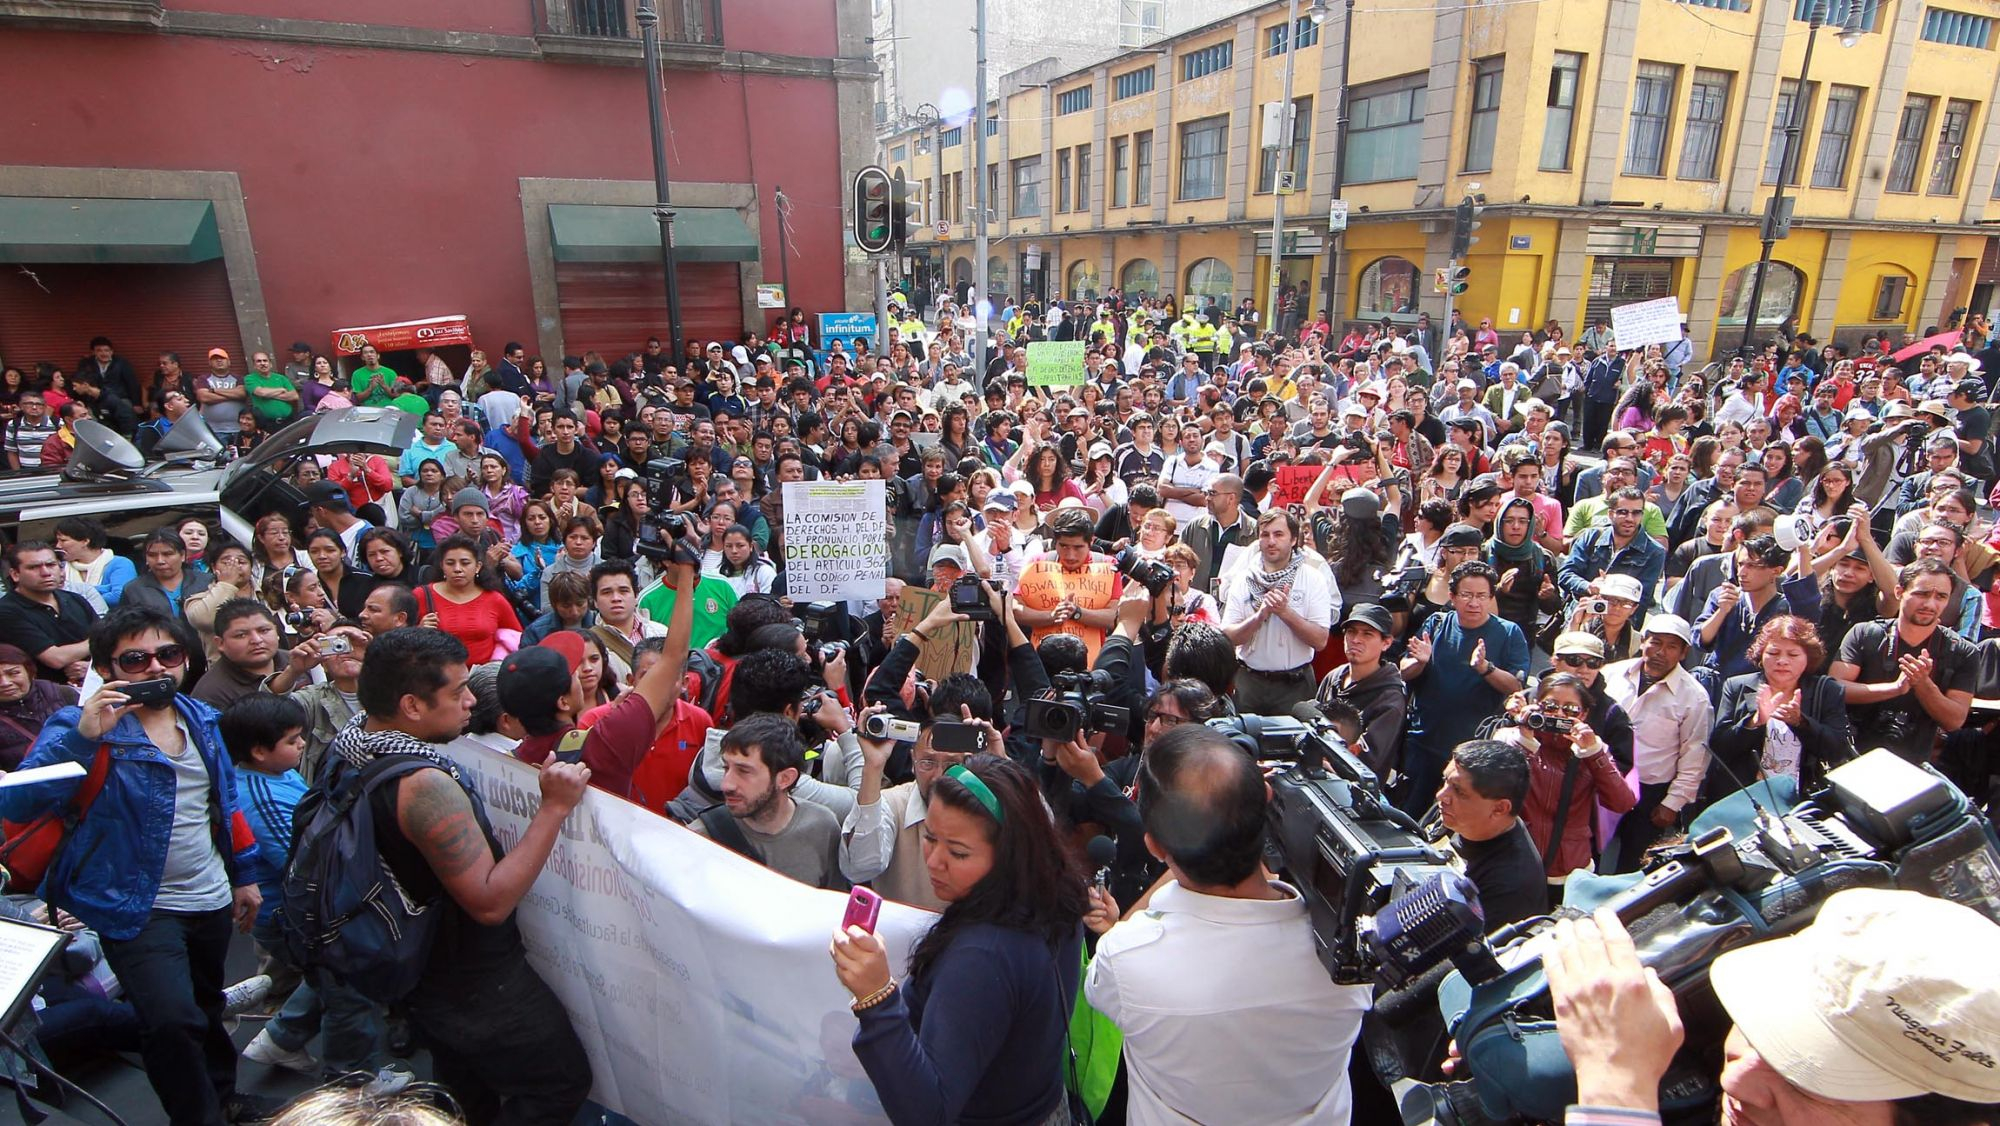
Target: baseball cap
column 215, row 352
column 1859, row 414
column 534, row 679
column 1579, row 643
column 1372, row 616
column 328, row 494
column 1353, row 410
column 1671, row 625
column 1000, row 500
column 301, row 346
column 1622, row 587
column 1880, row 998
column 949, row 553
column 1465, row 385
column 1022, row 488
column 468, row 498
column 1461, row 535
column 627, row 473
column 1483, row 487
column 1360, row 504
column 1101, row 449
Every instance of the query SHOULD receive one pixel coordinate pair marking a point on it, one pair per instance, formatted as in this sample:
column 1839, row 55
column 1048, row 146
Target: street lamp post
column 1282, row 165
column 982, row 307
column 929, row 115
column 649, row 38
column 1850, row 32
column 1335, row 239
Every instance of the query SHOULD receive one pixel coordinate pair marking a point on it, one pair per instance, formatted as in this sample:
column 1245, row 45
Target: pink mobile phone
column 863, row 908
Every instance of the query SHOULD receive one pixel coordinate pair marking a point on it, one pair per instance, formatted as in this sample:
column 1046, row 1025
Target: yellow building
column 1626, row 149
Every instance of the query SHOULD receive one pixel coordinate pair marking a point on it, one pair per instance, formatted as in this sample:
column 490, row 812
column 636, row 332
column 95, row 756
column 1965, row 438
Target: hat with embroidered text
column 1882, row 997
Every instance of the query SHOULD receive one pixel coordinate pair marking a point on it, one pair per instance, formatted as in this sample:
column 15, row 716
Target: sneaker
column 242, row 1108
column 246, row 993
column 267, row 1051
column 388, row 1081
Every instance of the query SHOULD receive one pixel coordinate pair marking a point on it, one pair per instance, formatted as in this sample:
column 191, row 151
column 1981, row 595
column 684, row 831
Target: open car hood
column 257, row 482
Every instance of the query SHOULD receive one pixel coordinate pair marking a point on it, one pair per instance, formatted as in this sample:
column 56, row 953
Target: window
column 1559, row 123
column 1910, row 131
column 1208, row 60
column 1142, row 168
column 1073, row 101
column 1131, row 84
column 1267, row 167
column 1210, row 278
column 1890, row 294
column 1082, row 283
column 1719, row 5
column 1139, row 22
column 1204, row 158
column 1062, row 181
column 1708, row 108
column 1388, row 287
column 1957, row 29
column 899, row 154
column 992, row 124
column 1277, row 41
column 1652, row 114
column 1083, row 177
column 993, row 187
column 1836, row 12
column 1027, row 188
column 1121, row 172
column 1485, row 124
column 952, row 137
column 1781, row 116
column 996, row 278
column 1952, row 130
column 1782, row 285
column 1140, row 278
column 1836, row 136
column 1385, row 130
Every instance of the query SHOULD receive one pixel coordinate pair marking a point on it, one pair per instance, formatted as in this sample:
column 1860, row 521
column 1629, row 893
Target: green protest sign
column 1055, row 363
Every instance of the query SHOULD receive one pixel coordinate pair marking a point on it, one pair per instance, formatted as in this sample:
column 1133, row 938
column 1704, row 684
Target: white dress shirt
column 1178, row 473
column 1670, row 726
column 1274, row 647
column 1259, row 1035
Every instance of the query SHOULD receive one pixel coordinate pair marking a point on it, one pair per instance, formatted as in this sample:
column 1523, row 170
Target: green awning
column 592, row 233
column 54, row 229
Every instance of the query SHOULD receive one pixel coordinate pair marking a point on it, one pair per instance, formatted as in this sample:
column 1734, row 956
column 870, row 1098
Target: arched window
column 1210, row 278
column 961, row 271
column 1388, row 288
column 1082, row 284
column 1783, row 285
column 996, row 278
column 1140, row 278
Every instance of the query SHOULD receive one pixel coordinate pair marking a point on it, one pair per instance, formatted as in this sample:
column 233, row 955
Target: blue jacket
column 1592, row 557
column 1600, row 381
column 109, row 870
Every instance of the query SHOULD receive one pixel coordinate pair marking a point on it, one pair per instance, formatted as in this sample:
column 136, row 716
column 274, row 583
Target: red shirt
column 619, row 737
column 662, row 773
column 477, row 623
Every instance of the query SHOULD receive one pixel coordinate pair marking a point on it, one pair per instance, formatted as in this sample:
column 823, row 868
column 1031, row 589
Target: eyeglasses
column 1576, row 662
column 135, row 661
column 1164, row 719
column 1628, row 512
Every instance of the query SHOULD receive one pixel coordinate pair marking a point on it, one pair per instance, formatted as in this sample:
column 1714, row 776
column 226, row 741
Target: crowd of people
column 1402, row 533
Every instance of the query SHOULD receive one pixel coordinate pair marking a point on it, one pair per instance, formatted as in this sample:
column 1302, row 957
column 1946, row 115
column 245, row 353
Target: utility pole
column 1335, row 314
column 1283, row 164
column 649, row 38
column 982, row 308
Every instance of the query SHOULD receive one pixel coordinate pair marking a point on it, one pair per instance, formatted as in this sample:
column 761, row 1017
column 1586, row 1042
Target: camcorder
column 663, row 534
column 1539, row 720
column 1880, row 821
column 1076, row 705
column 1155, row 575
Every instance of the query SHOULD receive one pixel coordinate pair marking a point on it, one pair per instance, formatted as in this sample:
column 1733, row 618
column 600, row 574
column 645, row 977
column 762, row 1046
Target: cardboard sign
column 1056, row 363
column 1646, row 322
column 1044, row 584
column 949, row 650
column 836, row 539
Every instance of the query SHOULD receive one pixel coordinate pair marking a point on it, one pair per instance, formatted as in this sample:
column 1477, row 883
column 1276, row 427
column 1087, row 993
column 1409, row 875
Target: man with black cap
column 1371, row 686
column 330, row 507
column 540, row 699
column 299, row 369
column 1974, row 425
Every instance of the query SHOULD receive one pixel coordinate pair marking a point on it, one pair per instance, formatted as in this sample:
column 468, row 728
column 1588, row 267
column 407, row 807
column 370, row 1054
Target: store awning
column 593, row 233
column 60, row 230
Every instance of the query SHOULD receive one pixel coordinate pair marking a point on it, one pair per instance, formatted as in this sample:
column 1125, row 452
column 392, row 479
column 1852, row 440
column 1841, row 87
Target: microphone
column 1103, row 854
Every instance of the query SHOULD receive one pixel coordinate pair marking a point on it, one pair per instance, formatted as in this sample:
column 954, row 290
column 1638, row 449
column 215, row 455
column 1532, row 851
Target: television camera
column 1076, row 704
column 663, row 534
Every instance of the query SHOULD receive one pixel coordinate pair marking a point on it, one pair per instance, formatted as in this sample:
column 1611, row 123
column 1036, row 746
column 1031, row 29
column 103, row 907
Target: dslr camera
column 663, row 539
column 1153, row 574
column 1077, row 704
column 968, row 597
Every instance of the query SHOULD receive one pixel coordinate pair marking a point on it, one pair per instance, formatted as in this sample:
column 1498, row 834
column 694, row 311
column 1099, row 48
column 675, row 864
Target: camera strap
column 1562, row 808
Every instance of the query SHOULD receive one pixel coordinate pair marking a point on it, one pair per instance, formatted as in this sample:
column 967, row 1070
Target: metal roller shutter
column 1622, row 281
column 51, row 312
column 614, row 306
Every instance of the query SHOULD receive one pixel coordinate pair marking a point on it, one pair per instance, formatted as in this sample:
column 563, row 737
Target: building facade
column 179, row 174
column 1626, row 150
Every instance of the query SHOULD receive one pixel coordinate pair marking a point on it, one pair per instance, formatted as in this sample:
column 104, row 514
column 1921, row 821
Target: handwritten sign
column 1291, row 483
column 1044, row 584
column 836, row 539
column 949, row 650
column 1055, row 363
column 1646, row 322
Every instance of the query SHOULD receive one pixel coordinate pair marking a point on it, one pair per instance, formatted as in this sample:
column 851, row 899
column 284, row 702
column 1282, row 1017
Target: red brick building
column 179, row 174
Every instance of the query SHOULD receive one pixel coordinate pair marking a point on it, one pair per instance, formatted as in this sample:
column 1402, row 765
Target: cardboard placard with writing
column 949, row 650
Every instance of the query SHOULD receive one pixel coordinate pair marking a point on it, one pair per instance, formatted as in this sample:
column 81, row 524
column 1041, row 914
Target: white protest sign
column 836, row 539
column 1646, row 322
column 698, row 981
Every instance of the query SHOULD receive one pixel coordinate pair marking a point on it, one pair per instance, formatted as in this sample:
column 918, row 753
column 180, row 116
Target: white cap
column 952, row 554
column 1887, row 995
column 1671, row 625
column 1623, row 587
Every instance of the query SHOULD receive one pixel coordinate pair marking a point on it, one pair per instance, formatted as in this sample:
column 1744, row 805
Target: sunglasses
column 135, row 661
column 1577, row 662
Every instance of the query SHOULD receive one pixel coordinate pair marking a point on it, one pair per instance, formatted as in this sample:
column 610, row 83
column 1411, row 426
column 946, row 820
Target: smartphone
column 953, row 737
column 864, row 907
column 156, row 693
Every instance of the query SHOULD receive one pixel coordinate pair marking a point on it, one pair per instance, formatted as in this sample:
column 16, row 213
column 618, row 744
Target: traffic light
column 1464, row 221
column 905, row 212
column 873, row 207
column 1460, row 279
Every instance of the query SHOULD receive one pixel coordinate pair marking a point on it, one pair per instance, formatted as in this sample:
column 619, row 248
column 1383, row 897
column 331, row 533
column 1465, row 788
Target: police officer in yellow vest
column 1203, row 341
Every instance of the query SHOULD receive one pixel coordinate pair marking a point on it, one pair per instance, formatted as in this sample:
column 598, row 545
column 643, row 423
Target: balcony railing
column 696, row 22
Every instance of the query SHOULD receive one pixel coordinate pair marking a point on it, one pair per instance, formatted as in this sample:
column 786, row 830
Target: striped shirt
column 25, row 440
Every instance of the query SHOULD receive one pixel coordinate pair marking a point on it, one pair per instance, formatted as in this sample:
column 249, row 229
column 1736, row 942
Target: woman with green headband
column 977, row 1030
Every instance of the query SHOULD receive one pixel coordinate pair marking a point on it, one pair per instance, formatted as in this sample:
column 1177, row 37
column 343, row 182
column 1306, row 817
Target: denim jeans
column 349, row 1025
column 172, row 974
column 503, row 1045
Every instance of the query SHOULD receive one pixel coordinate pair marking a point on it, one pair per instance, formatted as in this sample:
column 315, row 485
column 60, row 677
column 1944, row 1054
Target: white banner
column 1646, row 322
column 836, row 539
column 698, row 981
